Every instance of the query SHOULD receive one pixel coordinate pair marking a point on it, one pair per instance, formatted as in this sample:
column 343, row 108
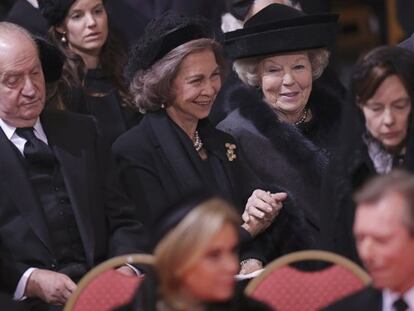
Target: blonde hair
column 183, row 246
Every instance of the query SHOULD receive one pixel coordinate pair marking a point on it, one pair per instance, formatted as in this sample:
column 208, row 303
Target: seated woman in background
column 176, row 71
column 195, row 261
column 286, row 123
column 377, row 137
column 93, row 77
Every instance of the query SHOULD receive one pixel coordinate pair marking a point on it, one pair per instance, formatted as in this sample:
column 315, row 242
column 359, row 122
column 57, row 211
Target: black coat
column 344, row 176
column 147, row 297
column 105, row 217
column 158, row 167
column 349, row 168
column 368, row 299
column 26, row 15
column 281, row 154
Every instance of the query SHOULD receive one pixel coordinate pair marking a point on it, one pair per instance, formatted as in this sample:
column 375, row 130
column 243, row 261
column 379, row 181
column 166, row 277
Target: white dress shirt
column 34, row 3
column 18, row 141
column 389, row 297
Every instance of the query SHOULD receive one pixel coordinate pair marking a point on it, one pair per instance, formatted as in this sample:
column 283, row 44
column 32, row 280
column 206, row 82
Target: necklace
column 197, row 143
column 303, row 117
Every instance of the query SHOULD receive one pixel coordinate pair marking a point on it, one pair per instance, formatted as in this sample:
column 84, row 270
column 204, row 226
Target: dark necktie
column 35, row 150
column 400, row 305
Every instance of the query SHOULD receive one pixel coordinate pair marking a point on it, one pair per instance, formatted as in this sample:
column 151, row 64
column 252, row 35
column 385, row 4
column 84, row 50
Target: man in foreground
column 384, row 234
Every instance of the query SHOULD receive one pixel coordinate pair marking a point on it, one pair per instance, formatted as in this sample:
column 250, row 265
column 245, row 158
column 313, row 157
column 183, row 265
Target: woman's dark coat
column 157, row 168
column 279, row 153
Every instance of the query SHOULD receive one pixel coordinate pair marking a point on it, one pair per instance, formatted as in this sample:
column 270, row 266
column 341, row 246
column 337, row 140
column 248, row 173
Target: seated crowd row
column 288, row 148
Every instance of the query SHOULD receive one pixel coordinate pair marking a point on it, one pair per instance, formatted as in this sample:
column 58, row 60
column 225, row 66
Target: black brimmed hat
column 281, row 29
column 162, row 35
column 55, row 10
column 51, row 58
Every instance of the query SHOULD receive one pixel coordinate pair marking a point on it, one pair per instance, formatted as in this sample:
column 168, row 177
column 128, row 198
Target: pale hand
column 51, row 287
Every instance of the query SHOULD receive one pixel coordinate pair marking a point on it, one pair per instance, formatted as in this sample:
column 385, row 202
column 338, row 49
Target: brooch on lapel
column 231, row 151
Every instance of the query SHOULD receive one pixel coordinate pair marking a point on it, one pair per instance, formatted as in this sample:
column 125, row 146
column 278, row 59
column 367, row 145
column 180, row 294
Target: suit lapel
column 72, row 156
column 217, row 146
column 174, row 152
column 18, row 186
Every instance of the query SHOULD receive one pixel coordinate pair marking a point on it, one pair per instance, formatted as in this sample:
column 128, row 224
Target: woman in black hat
column 93, row 77
column 176, row 71
column 286, row 124
column 195, row 260
column 377, row 137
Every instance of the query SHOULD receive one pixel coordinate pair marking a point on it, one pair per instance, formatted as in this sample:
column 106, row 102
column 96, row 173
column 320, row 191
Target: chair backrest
column 286, row 288
column 103, row 288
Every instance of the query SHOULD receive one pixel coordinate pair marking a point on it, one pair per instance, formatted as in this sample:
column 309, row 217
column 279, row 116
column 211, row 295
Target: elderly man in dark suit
column 384, row 233
column 62, row 211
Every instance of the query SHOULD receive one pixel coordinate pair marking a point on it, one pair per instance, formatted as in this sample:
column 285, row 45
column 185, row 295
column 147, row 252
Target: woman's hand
column 261, row 208
column 250, row 265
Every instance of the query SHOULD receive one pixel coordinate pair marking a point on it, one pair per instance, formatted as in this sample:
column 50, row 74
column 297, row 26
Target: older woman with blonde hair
column 286, row 123
column 195, row 260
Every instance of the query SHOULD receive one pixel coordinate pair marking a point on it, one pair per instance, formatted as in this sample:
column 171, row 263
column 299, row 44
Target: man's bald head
column 11, row 33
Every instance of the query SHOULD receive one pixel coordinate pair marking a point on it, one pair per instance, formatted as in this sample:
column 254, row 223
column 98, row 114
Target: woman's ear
column 60, row 30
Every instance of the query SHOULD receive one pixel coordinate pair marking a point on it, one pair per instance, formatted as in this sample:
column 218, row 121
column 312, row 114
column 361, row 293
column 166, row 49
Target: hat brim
column 51, row 58
column 302, row 33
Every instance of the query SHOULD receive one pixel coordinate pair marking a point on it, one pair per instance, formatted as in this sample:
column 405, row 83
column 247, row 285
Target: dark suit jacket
column 26, row 15
column 368, row 299
column 157, row 170
column 104, row 216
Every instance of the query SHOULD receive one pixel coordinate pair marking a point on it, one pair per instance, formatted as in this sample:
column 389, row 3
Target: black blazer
column 368, row 299
column 157, row 169
column 104, row 216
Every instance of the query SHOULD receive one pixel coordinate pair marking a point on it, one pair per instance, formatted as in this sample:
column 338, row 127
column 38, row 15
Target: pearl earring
column 64, row 39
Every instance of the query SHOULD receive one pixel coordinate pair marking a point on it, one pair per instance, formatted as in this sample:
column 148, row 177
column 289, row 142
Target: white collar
column 388, row 298
column 10, row 130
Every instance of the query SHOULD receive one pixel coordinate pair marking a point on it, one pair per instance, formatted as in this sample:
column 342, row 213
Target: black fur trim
column 286, row 138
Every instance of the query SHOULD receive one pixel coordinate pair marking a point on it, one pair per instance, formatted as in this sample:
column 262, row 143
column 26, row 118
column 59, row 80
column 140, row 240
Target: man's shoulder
column 368, row 298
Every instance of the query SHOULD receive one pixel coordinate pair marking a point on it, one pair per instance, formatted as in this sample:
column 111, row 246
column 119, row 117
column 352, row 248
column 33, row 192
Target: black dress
column 100, row 99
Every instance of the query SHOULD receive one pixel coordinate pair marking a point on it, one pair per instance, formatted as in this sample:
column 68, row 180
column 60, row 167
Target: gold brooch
column 231, row 151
